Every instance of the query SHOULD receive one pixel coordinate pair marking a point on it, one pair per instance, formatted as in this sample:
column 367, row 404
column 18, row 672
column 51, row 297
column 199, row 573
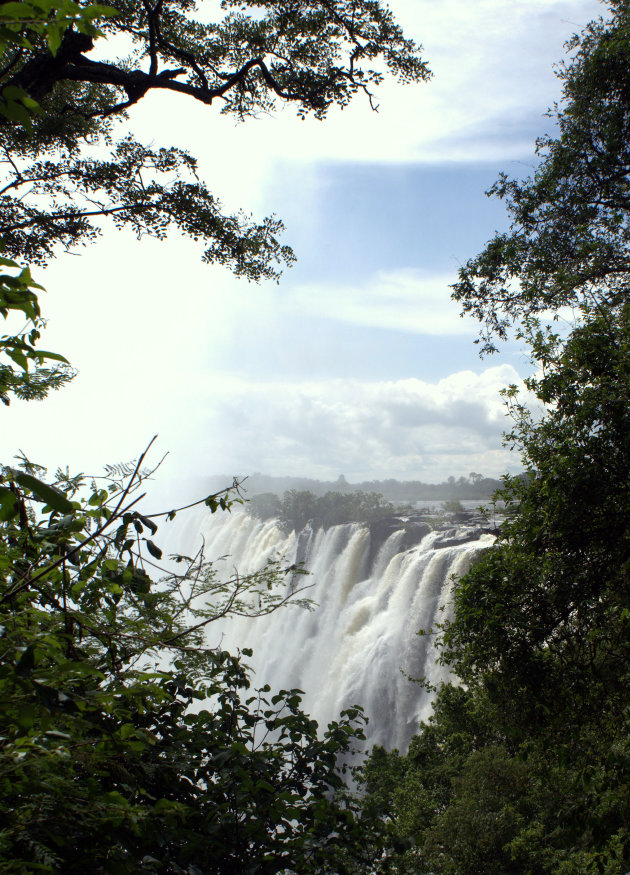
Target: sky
column 357, row 362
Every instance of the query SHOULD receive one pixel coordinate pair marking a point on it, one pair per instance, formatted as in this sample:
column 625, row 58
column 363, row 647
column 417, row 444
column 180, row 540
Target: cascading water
column 373, row 592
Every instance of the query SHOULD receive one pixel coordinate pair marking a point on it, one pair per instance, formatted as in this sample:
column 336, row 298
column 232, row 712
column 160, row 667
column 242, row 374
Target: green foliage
column 453, row 507
column 265, row 506
column 21, row 371
column 540, row 637
column 569, row 243
column 58, row 182
column 21, row 23
column 149, row 190
column 129, row 744
column 566, row 551
column 475, row 486
column 24, row 25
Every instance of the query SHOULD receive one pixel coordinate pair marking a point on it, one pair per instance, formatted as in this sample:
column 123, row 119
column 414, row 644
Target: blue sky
column 357, row 362
column 371, row 219
column 427, row 216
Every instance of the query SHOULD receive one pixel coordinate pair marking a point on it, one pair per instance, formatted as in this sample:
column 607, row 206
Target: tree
column 24, row 374
column 20, row 26
column 265, row 505
column 567, row 246
column 61, row 108
column 539, row 638
column 311, row 54
column 24, row 24
column 332, row 509
column 569, row 241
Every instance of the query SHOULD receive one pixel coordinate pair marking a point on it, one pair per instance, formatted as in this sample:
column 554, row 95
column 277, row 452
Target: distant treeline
column 298, row 507
column 475, row 486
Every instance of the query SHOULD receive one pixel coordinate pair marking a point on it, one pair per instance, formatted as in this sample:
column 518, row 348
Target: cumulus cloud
column 402, row 428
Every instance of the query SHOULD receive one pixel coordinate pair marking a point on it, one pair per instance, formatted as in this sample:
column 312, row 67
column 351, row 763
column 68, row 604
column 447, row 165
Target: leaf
column 26, row 716
column 8, row 504
column 16, row 112
column 78, row 588
column 140, row 582
column 18, row 357
column 26, row 663
column 31, row 104
column 44, row 353
column 153, row 550
column 53, row 497
column 12, row 92
column 99, row 9
column 148, row 523
column 17, row 11
column 53, row 38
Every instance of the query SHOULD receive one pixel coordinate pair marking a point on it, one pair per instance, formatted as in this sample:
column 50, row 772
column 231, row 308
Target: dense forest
column 298, row 508
column 525, row 765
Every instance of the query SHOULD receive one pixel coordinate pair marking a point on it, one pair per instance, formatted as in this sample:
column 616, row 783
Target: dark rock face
column 380, row 530
column 459, row 528
column 415, row 531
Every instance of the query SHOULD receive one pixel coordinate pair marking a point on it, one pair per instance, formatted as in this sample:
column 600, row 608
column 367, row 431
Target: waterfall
column 374, row 589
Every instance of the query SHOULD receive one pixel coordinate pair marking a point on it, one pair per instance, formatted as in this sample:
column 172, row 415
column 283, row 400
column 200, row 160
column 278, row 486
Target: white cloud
column 157, row 355
column 403, row 428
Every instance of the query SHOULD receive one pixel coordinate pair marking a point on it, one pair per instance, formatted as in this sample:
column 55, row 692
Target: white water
column 360, row 644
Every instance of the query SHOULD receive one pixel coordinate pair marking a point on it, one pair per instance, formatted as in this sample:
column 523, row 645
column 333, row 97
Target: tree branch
column 106, row 211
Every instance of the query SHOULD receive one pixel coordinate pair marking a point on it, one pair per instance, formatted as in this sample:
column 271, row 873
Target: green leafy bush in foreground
column 129, row 744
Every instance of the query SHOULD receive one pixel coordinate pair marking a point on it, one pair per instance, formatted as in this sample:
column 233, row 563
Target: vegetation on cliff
column 297, row 508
